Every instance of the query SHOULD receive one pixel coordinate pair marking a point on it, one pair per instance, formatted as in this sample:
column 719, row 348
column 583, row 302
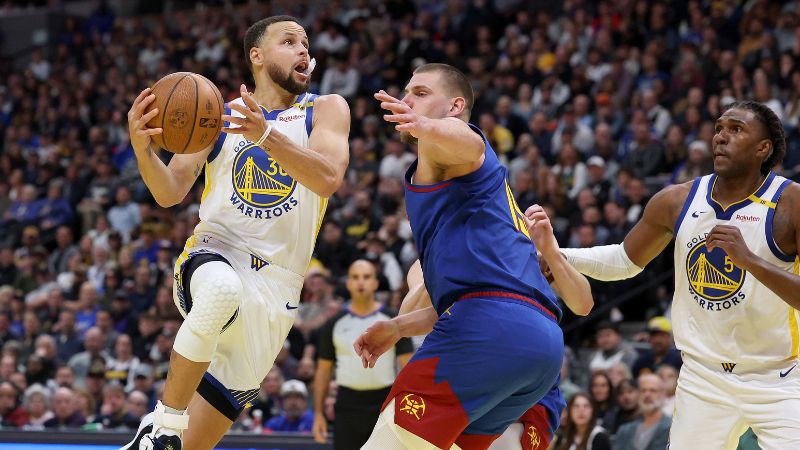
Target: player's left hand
column 375, row 341
column 253, row 124
column 401, row 114
column 730, row 240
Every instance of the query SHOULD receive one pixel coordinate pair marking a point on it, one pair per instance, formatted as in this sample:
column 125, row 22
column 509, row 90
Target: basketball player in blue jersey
column 734, row 311
column 536, row 427
column 477, row 371
column 238, row 280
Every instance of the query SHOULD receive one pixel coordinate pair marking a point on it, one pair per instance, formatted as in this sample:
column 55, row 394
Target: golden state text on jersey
column 261, row 188
column 714, row 281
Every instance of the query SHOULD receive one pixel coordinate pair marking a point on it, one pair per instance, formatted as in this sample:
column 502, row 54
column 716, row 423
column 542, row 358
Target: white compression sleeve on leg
column 216, row 290
column 604, row 262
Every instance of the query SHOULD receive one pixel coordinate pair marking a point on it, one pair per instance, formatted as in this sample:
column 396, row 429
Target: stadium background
column 594, row 106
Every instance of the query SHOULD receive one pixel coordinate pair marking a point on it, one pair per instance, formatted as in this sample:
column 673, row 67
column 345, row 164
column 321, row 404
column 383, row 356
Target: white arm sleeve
column 604, row 262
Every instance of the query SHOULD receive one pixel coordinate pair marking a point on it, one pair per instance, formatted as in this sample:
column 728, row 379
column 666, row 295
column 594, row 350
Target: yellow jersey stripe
column 207, row 187
column 793, row 318
column 759, row 200
column 511, row 207
column 322, row 206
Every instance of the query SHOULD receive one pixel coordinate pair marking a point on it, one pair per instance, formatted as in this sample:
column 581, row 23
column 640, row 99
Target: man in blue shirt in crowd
column 295, row 415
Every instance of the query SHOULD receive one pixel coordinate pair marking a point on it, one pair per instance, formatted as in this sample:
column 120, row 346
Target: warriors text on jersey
column 720, row 312
column 250, row 202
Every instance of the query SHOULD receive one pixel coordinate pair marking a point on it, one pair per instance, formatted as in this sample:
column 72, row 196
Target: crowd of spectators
column 593, row 106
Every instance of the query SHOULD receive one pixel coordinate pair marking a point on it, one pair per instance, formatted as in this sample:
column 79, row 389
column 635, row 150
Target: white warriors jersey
column 251, row 203
column 721, row 313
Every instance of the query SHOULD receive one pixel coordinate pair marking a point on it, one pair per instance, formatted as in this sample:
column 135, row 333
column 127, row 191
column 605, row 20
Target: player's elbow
column 329, row 184
column 328, row 188
column 473, row 148
column 584, row 307
column 165, row 200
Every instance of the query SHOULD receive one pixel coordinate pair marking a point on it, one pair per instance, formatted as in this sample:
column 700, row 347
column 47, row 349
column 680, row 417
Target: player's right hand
column 541, row 230
column 137, row 121
column 320, row 428
column 375, row 341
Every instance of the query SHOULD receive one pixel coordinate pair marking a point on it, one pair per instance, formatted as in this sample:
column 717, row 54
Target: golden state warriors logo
column 262, row 189
column 535, row 439
column 714, row 280
column 414, row 405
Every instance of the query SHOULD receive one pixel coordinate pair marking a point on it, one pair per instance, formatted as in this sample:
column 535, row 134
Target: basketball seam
column 194, row 121
column 166, row 107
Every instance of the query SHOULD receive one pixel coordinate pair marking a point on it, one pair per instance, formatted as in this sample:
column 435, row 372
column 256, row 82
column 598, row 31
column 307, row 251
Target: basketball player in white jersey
column 736, row 286
column 238, row 280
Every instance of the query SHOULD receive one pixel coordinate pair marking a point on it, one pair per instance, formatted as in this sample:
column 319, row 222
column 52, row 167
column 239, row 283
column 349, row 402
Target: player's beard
column 407, row 138
column 286, row 80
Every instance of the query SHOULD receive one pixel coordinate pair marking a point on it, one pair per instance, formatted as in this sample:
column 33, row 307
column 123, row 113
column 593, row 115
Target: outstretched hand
column 253, row 125
column 401, row 114
column 375, row 341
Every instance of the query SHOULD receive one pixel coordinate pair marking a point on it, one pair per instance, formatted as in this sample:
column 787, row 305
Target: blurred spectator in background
column 610, row 348
column 604, row 398
column 651, row 430
column 65, row 413
column 661, row 349
column 295, row 415
column 579, row 429
column 37, row 405
column 11, row 412
column 114, row 410
column 628, row 405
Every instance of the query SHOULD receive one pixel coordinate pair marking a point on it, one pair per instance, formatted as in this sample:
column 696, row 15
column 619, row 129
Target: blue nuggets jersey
column 471, row 235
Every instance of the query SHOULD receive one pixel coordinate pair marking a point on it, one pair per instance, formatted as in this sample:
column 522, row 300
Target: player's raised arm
column 168, row 184
column 568, row 283
column 646, row 240
column 449, row 140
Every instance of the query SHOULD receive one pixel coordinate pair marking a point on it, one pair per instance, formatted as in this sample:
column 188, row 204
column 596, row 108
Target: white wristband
column 263, row 136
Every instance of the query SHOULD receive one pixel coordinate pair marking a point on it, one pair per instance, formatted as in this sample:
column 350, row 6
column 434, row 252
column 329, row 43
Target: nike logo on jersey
column 290, row 307
column 696, row 214
column 783, row 374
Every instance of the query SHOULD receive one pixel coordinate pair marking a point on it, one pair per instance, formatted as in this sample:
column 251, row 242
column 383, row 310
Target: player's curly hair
column 774, row 128
column 256, row 31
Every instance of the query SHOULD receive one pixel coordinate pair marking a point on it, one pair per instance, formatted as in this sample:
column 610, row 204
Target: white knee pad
column 216, row 290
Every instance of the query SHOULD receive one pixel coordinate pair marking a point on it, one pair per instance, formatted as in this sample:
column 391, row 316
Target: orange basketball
column 189, row 112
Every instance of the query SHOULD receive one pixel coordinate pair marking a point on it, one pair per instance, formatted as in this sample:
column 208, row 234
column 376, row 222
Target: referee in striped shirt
column 361, row 391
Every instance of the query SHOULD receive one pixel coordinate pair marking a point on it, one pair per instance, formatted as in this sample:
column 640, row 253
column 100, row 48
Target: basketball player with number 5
column 737, row 291
column 238, row 280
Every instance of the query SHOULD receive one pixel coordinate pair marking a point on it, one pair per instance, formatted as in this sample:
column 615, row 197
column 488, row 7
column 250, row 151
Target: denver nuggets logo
column 258, row 180
column 714, row 279
column 534, row 435
column 414, row 405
